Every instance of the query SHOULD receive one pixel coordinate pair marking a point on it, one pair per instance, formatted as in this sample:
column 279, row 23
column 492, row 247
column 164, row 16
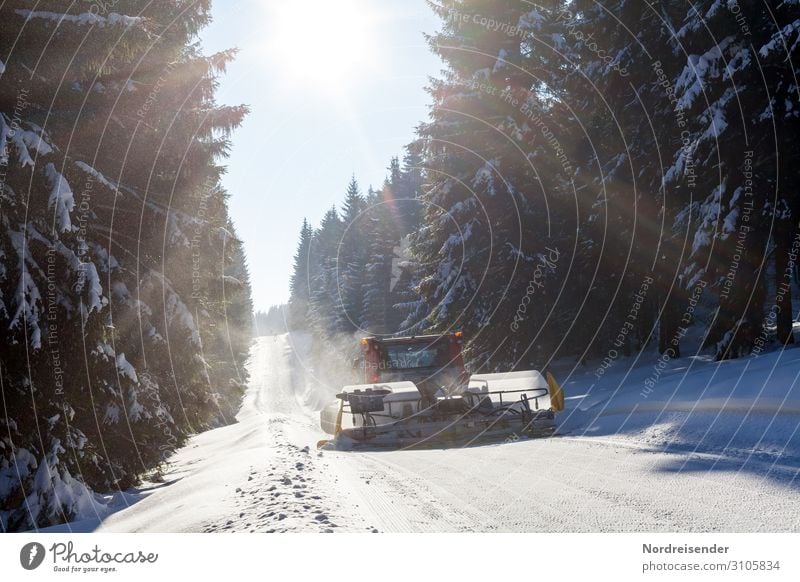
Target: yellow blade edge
column 338, row 427
column 556, row 393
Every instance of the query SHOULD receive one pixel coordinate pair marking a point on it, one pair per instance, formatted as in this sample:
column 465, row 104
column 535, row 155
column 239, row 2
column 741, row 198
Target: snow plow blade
column 556, row 393
column 489, row 408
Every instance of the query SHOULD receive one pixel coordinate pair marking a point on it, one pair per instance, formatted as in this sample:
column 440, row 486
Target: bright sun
column 321, row 41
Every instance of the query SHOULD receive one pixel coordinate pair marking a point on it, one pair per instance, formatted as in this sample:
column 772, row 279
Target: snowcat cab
column 416, row 392
column 432, row 362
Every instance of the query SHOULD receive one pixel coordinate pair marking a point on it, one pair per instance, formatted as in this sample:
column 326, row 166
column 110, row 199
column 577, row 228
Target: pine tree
column 273, row 321
column 729, row 153
column 352, row 259
column 325, row 308
column 300, row 284
column 118, row 255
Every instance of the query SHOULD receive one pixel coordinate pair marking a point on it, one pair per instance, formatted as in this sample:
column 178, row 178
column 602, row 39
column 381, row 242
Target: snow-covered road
column 264, row 474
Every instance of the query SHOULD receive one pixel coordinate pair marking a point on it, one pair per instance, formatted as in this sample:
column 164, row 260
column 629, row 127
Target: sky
column 336, row 88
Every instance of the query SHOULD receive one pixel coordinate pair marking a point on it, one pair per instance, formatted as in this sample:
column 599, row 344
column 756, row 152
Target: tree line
column 124, row 294
column 593, row 179
column 355, row 274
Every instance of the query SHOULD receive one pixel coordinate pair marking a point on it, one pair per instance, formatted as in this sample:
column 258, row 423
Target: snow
column 86, row 18
column 23, row 463
column 714, row 116
column 739, row 62
column 126, row 369
column 5, row 131
column 24, row 141
column 700, row 69
column 91, row 282
column 112, row 414
column 779, row 40
column 501, row 62
column 61, row 198
column 97, row 176
column 28, row 299
column 532, row 20
column 709, row 213
column 177, row 312
column 686, row 444
column 731, row 220
column 62, row 490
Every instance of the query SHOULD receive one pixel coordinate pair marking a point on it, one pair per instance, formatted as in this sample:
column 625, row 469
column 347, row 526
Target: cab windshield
column 401, row 357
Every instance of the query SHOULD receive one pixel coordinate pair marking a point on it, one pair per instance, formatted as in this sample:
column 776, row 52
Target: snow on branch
column 24, row 140
column 86, row 18
column 28, row 299
column 61, row 198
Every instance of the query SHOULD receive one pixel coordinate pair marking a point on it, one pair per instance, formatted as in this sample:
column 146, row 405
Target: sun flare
column 321, row 41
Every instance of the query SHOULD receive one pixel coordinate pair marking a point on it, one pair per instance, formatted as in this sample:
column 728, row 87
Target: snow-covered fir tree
column 120, row 268
column 597, row 178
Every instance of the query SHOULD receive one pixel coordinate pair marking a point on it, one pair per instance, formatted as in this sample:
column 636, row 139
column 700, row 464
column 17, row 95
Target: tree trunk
column 783, row 281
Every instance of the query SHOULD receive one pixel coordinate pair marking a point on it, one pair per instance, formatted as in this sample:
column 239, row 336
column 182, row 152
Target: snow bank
column 749, row 406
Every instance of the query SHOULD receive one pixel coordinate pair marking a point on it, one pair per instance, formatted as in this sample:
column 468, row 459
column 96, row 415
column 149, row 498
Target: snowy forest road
column 263, row 474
